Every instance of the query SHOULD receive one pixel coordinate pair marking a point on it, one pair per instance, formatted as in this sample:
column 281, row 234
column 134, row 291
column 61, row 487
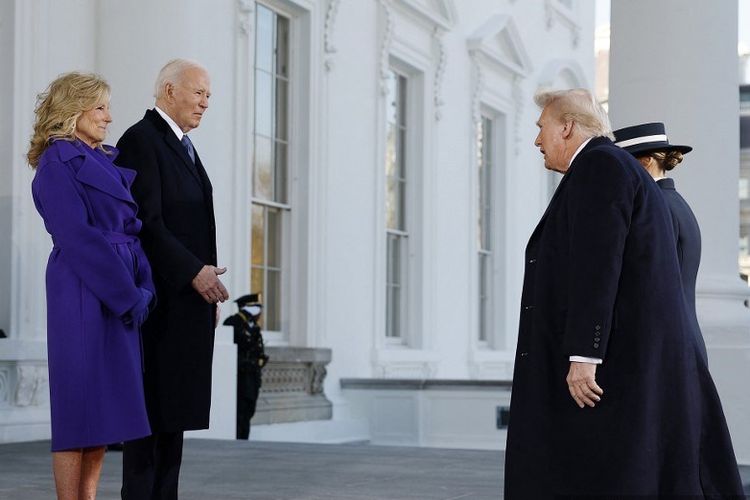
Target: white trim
column 641, row 140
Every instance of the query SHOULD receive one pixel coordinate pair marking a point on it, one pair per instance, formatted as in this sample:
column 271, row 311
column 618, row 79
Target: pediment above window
column 499, row 41
column 441, row 13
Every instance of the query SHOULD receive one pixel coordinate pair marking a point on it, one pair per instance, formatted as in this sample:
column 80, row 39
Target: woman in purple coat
column 99, row 286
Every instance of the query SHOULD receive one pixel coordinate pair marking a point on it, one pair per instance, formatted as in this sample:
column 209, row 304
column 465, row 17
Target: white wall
column 341, row 178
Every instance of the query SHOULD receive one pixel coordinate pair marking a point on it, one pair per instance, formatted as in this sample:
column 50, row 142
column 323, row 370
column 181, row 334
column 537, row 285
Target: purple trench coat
column 98, row 284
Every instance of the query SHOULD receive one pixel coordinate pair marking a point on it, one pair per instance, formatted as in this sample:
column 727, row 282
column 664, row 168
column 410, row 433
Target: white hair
column 578, row 106
column 172, row 73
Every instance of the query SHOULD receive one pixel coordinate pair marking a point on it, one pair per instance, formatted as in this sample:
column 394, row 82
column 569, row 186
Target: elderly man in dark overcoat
column 611, row 396
column 179, row 238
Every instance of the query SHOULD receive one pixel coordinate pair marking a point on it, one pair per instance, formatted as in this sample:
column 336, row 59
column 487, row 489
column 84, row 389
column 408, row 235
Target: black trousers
column 151, row 467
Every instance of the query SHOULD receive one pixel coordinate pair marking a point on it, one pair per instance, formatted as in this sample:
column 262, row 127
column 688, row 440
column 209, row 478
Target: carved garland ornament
column 439, row 72
column 385, row 45
column 330, row 49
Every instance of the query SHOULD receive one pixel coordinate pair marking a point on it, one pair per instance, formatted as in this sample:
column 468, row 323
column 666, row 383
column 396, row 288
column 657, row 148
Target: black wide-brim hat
column 646, row 138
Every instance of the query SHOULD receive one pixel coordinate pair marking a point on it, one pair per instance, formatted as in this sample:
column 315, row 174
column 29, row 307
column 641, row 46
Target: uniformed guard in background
column 251, row 358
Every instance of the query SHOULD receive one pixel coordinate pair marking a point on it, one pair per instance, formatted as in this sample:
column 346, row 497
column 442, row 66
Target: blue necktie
column 188, row 147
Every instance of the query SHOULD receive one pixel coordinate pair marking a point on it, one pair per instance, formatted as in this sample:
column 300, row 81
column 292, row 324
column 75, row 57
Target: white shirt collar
column 583, row 145
column 177, row 131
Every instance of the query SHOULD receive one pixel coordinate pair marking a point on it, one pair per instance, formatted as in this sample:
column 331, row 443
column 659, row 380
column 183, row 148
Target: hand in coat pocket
column 138, row 314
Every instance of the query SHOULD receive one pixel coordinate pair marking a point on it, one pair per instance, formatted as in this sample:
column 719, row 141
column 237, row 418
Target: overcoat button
column 596, row 345
column 598, row 327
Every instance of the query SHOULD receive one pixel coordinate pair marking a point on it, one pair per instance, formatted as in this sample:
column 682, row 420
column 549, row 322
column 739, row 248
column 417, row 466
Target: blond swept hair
column 59, row 107
column 578, row 106
column 172, row 73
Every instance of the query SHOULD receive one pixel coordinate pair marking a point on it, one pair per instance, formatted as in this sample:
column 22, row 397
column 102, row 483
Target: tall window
column 484, row 223
column 270, row 201
column 395, row 209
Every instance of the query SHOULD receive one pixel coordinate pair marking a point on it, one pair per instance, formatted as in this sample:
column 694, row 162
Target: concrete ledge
column 433, row 413
column 423, row 384
column 23, row 350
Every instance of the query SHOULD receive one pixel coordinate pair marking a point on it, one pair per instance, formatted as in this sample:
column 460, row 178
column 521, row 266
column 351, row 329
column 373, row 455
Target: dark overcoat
column 602, row 280
column 97, row 275
column 687, row 235
column 179, row 237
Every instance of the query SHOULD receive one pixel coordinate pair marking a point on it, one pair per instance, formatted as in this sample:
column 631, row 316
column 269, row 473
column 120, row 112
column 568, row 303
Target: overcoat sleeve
column 600, row 205
column 169, row 257
column 82, row 246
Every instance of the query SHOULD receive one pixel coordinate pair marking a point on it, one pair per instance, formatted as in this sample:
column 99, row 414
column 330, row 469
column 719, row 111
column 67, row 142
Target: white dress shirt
column 175, row 128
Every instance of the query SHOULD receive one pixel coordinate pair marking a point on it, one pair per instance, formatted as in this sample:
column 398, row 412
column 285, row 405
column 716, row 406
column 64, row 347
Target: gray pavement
column 284, row 471
column 217, row 470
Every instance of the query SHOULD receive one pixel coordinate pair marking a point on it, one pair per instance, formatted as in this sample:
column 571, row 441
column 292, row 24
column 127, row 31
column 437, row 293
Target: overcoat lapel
column 94, row 174
column 596, row 141
column 174, row 144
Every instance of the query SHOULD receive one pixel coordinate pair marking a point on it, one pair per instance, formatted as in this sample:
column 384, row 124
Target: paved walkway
column 217, row 470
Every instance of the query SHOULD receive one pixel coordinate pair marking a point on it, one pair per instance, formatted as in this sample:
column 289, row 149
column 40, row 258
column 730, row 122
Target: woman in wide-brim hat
column 649, row 144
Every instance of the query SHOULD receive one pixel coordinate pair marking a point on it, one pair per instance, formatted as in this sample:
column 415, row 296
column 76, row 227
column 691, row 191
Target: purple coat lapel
column 94, row 174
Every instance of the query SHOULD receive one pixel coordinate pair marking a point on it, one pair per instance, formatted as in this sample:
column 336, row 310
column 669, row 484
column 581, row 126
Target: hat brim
column 640, row 149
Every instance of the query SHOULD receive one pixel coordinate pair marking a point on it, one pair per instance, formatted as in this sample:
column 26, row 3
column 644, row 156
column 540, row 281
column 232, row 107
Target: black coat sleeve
column 170, row 259
column 600, row 206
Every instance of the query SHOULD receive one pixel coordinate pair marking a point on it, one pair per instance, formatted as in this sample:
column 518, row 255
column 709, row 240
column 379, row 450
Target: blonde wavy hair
column 578, row 106
column 59, row 107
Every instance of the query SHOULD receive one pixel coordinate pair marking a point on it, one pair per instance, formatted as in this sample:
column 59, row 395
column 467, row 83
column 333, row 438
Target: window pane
column 483, row 295
column 402, row 100
column 393, row 312
column 282, row 46
column 282, row 100
column 264, row 103
column 401, row 156
column 394, row 205
column 256, row 281
column 258, row 235
column 272, row 300
column 264, row 38
column 390, row 152
column 280, row 170
column 263, row 169
column 391, row 99
column 394, row 264
column 401, row 205
column 274, row 238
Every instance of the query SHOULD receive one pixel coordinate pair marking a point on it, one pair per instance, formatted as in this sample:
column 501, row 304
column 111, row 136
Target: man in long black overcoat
column 610, row 393
column 179, row 236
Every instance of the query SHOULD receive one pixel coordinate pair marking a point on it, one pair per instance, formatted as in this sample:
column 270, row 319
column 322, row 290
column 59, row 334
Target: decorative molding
column 557, row 67
column 292, row 386
column 476, row 96
column 555, row 12
column 499, row 41
column 328, row 47
column 438, row 36
column 385, row 45
column 518, row 102
column 31, row 380
column 440, row 13
column 246, row 9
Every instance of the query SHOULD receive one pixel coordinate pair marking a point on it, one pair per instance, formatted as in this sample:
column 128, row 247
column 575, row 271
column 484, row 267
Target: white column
column 676, row 61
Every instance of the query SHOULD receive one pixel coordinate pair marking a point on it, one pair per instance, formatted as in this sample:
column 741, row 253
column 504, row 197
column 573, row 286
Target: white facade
column 461, row 61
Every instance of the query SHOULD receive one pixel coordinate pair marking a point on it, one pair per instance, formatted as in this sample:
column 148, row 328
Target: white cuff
column 583, row 359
